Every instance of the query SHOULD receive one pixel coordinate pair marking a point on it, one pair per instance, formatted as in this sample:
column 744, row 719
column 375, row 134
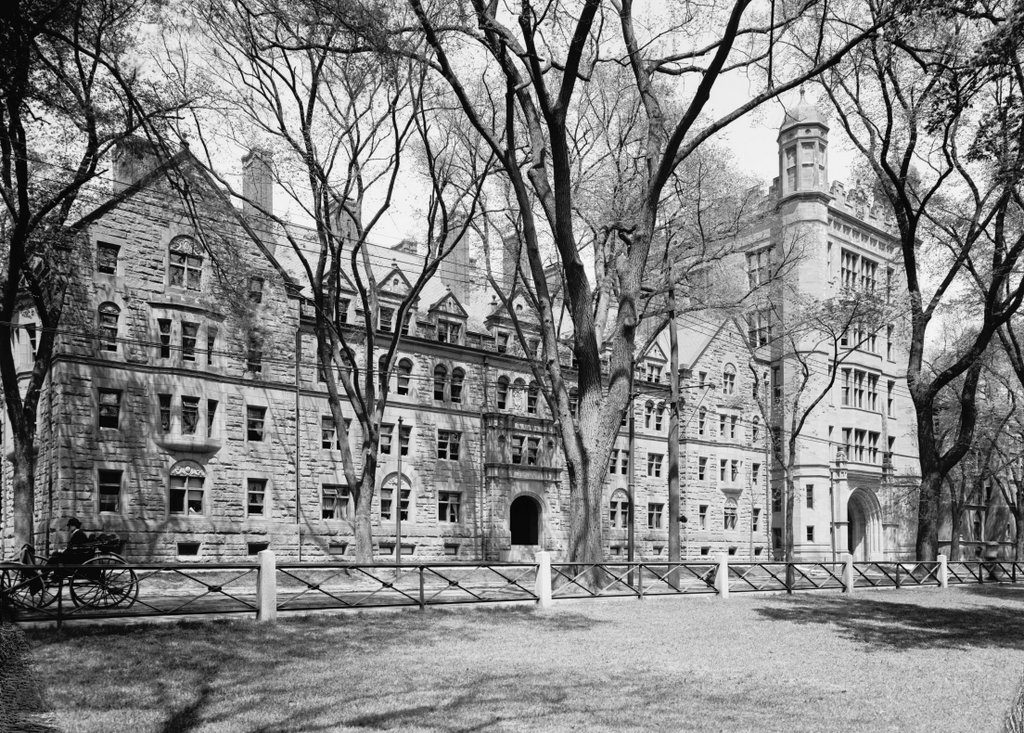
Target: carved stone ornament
column 188, row 469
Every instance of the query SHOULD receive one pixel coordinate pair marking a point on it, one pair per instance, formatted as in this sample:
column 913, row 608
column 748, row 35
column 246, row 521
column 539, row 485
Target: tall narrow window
column 211, row 345
column 255, row 422
column 329, row 433
column 501, row 392
column 404, row 375
column 532, row 393
column 702, row 421
column 164, row 326
column 659, row 416
column 729, row 379
column 254, row 356
column 189, row 415
column 211, row 417
column 386, row 319
column 108, row 317
column 518, row 441
column 185, row 264
column 618, row 510
column 532, row 450
column 648, row 413
column 440, row 382
column 729, row 515
column 458, row 376
column 256, row 497
column 164, row 402
column 384, row 438
column 109, row 412
column 189, row 335
column 109, row 484
column 404, row 436
column 256, row 289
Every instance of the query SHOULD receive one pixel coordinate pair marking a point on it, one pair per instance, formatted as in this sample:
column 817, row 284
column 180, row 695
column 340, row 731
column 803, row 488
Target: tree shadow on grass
column 904, row 626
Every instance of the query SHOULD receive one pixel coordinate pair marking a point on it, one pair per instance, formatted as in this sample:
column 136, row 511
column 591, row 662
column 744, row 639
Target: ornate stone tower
column 803, row 152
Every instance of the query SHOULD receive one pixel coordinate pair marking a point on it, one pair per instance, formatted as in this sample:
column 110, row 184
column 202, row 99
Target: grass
column 917, row 659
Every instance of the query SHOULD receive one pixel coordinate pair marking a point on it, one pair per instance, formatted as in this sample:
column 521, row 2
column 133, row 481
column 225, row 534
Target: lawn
column 916, row 659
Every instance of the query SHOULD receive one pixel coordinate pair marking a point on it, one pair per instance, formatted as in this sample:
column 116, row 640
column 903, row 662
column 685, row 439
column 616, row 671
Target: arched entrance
column 865, row 525
column 524, row 521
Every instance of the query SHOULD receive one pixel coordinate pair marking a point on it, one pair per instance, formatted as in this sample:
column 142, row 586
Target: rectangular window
column 734, row 470
column 618, row 512
column 386, row 498
column 189, row 335
column 211, row 345
column 729, row 516
column 106, row 257
column 384, row 444
column 448, row 505
column 256, row 289
column 386, row 319
column 517, row 448
column 654, row 461
column 755, row 474
column 343, row 305
column 755, row 520
column 109, row 413
column 329, row 439
column 448, row 332
column 254, row 356
column 702, row 516
column 211, row 417
column 733, row 423
column 532, row 450
column 702, row 468
column 722, row 420
column 810, row 533
column 448, row 442
column 189, row 415
column 873, row 392
column 776, row 500
column 809, row 490
column 889, row 403
column 873, row 447
column 186, row 495
column 164, row 327
column 613, row 461
column 501, row 339
column 889, row 342
column 255, row 418
column 164, row 401
column 256, row 497
column 759, row 265
column 403, row 439
column 723, row 468
column 655, row 515
column 109, row 483
column 335, row 501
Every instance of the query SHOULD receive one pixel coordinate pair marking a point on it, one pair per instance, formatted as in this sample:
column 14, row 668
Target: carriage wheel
column 27, row 585
column 104, row 582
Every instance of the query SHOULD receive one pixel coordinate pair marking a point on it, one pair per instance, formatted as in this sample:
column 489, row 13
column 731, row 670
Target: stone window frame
column 187, row 471
column 264, row 419
column 108, row 318
column 267, row 496
column 101, row 468
column 190, row 263
column 340, row 495
column 103, row 261
column 618, row 509
column 103, row 411
column 408, row 505
column 730, row 515
column 449, row 506
column 655, row 515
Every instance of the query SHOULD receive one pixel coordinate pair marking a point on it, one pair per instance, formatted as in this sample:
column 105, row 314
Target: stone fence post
column 266, row 587
column 543, row 585
column 848, row 581
column 943, row 573
column 722, row 576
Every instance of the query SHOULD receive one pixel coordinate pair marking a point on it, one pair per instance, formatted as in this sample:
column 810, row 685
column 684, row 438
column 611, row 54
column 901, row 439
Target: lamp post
column 397, row 503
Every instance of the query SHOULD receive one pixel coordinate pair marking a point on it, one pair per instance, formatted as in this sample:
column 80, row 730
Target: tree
column 911, row 102
column 524, row 79
column 343, row 130
column 71, row 91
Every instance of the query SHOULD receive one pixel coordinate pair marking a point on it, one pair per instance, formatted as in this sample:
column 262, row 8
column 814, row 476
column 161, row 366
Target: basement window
column 188, row 549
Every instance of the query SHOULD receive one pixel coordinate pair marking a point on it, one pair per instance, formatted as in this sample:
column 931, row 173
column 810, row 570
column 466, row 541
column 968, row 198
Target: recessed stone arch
column 865, row 538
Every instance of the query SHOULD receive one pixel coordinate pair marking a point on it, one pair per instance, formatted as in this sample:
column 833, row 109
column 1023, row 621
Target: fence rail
column 68, row 592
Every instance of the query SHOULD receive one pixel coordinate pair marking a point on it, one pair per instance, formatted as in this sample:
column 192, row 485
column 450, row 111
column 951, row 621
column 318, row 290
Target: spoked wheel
column 104, row 582
column 26, row 586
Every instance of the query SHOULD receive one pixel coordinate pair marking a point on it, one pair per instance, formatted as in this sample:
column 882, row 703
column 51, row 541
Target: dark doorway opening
column 524, row 521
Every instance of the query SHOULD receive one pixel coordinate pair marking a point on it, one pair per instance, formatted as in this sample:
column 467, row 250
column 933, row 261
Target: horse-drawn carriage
column 93, row 571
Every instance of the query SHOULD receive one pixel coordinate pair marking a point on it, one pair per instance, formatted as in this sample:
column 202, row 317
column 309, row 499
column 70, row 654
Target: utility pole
column 674, row 554
column 396, row 502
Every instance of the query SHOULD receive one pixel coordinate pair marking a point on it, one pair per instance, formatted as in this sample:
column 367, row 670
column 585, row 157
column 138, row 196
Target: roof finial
column 802, row 93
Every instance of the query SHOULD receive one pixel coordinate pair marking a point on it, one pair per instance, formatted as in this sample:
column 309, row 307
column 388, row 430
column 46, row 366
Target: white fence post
column 266, row 587
column 943, row 572
column 848, row 573
column 722, row 576
column 543, row 587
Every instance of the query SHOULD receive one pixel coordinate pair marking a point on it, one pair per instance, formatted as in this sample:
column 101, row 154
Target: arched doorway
column 524, row 521
column 865, row 526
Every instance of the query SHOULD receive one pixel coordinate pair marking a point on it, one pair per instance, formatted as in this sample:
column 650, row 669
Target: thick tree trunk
column 586, row 541
column 955, row 524
column 788, row 535
column 24, row 490
column 363, row 530
column 927, row 545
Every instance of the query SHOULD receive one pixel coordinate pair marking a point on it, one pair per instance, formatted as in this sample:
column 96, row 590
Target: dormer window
column 448, row 332
column 501, row 339
column 185, row 264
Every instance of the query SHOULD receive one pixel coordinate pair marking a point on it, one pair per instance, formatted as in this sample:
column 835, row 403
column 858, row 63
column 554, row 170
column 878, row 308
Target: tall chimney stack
column 257, row 182
column 134, row 158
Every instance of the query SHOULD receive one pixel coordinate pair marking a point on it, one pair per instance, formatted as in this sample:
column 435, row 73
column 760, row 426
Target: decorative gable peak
column 395, row 282
column 449, row 305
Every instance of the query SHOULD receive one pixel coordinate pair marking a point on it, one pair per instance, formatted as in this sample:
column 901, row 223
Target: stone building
column 185, row 407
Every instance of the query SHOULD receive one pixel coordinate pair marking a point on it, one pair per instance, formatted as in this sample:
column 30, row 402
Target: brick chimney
column 257, row 182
